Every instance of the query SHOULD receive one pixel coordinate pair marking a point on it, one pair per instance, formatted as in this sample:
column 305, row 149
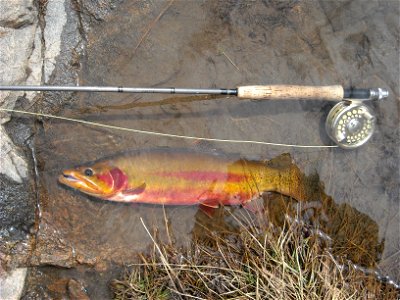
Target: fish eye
column 88, row 172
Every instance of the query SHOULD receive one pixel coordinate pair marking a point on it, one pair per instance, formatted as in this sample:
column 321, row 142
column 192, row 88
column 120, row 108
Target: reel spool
column 350, row 124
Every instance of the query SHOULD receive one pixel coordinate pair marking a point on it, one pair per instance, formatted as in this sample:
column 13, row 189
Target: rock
column 16, row 210
column 17, row 15
column 11, row 284
column 55, row 20
column 12, row 164
column 73, row 288
column 20, row 49
column 76, row 290
column 35, row 64
column 20, row 62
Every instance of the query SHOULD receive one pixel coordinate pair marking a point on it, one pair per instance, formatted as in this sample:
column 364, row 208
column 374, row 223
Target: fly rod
column 350, row 123
column 267, row 92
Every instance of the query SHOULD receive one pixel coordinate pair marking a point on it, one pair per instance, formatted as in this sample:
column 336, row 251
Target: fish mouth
column 74, row 180
column 68, row 178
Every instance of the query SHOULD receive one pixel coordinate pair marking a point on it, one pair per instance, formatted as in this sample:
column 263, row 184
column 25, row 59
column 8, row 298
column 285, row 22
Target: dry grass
column 257, row 261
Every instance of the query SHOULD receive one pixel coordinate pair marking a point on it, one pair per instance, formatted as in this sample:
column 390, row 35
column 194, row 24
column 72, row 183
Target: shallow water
column 221, row 44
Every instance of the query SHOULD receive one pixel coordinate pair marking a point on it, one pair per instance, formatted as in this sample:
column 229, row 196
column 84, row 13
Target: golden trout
column 174, row 177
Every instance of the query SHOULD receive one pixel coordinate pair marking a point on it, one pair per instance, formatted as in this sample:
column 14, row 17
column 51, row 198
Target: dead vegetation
column 248, row 260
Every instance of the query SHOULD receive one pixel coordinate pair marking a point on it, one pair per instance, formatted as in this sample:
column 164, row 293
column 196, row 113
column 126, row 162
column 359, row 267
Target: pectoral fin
column 135, row 191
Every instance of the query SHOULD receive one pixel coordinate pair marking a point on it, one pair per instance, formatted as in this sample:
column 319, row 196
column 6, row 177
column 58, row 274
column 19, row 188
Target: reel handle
column 291, row 92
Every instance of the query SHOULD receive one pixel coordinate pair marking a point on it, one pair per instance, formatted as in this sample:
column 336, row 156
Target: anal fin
column 209, row 206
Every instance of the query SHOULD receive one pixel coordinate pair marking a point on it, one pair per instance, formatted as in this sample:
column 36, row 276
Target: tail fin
column 287, row 179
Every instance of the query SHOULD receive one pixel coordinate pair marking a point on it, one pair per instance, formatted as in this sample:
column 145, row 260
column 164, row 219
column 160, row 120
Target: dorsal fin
column 281, row 162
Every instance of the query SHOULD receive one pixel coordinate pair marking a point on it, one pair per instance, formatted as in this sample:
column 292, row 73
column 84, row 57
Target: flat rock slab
column 213, row 44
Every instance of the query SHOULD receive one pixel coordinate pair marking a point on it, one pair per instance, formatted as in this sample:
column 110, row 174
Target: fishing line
column 147, row 132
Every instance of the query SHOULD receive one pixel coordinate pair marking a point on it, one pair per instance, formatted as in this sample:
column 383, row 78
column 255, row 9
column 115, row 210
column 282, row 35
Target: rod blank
column 118, row 89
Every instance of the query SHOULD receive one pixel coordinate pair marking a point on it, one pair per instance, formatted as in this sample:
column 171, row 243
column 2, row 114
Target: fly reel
column 350, row 123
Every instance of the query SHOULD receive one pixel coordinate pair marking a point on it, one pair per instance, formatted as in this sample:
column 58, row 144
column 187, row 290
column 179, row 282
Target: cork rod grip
column 291, row 92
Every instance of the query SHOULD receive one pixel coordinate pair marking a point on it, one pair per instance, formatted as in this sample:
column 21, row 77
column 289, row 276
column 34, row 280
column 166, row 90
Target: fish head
column 99, row 180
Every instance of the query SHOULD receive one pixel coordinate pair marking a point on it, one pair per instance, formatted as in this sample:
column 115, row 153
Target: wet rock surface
column 187, row 44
